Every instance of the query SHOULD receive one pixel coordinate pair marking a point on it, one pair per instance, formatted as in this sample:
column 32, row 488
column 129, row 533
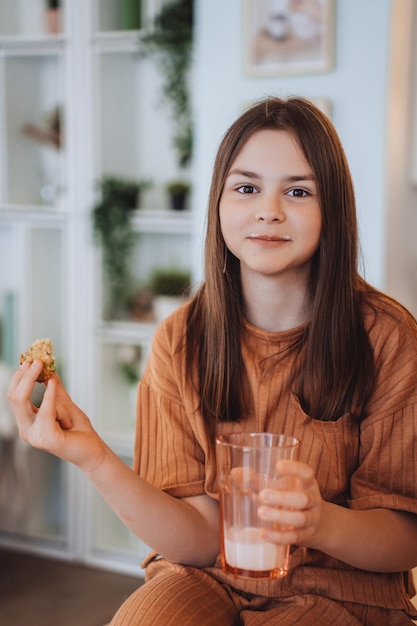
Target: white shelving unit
column 50, row 277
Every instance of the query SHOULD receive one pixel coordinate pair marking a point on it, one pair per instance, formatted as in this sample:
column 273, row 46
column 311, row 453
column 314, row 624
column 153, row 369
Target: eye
column 246, row 189
column 298, row 193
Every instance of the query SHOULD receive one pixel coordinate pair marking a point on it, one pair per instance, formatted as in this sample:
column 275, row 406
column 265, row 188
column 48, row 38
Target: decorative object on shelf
column 171, row 41
column 140, row 305
column 130, row 359
column 178, row 192
column 50, row 132
column 130, row 12
column 171, row 287
column 113, row 231
column 53, row 16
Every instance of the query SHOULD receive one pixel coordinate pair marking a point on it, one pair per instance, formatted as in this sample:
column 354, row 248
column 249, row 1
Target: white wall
column 401, row 158
column 356, row 88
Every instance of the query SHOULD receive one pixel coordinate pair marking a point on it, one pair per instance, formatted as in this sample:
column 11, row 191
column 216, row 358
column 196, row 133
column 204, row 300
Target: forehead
column 271, row 148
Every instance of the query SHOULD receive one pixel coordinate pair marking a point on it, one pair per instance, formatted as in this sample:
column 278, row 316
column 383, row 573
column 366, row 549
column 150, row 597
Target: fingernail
column 266, row 496
column 264, row 512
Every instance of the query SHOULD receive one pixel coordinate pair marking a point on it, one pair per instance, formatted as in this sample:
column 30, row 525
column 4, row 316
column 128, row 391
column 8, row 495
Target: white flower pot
column 165, row 305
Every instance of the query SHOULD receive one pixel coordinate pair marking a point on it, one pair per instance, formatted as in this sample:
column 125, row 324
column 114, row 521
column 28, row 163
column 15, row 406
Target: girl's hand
column 297, row 513
column 58, row 426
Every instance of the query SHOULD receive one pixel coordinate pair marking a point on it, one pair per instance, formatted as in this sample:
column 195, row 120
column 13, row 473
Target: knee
column 185, row 596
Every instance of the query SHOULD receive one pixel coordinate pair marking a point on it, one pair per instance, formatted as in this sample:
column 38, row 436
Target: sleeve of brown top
column 387, row 472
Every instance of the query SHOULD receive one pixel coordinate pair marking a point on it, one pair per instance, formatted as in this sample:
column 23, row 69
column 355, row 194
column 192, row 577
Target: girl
column 283, row 336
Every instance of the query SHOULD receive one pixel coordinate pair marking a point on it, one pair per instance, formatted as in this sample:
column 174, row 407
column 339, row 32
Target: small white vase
column 165, row 305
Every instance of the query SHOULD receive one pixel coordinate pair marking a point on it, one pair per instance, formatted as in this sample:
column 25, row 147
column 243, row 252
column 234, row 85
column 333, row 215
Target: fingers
column 292, row 512
column 20, row 388
column 23, row 380
column 51, row 408
column 298, row 469
column 292, row 488
column 48, row 401
column 32, row 421
column 44, row 424
column 284, row 517
column 294, row 499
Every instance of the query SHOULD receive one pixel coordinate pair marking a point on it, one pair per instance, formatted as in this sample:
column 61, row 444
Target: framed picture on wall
column 288, row 37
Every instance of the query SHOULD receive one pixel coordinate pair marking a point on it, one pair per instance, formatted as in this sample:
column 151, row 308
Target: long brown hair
column 335, row 372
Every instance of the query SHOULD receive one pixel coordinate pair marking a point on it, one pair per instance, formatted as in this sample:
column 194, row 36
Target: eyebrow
column 290, row 179
column 245, row 173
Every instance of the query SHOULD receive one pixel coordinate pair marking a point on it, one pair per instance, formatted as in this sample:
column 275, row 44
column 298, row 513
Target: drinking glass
column 247, row 464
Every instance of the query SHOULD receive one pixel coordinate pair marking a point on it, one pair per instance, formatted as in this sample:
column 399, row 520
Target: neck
column 275, row 303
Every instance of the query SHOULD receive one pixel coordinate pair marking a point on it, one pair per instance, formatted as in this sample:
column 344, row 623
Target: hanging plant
column 171, row 42
column 113, row 231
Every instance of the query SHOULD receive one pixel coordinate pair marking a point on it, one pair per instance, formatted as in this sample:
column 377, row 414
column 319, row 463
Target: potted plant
column 170, row 287
column 113, row 230
column 130, row 14
column 178, row 192
column 53, row 16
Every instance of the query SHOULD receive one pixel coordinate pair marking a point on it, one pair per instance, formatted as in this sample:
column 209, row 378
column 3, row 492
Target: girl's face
column 269, row 210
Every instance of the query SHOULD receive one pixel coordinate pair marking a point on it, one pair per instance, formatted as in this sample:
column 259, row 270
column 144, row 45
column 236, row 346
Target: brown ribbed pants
column 175, row 595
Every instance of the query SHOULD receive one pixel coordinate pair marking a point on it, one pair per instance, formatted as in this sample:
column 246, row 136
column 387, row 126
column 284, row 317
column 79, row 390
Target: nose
column 271, row 209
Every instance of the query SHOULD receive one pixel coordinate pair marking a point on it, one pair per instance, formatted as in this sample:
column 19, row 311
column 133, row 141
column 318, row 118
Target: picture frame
column 285, row 37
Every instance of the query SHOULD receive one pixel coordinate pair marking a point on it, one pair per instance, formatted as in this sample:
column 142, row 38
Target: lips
column 269, row 238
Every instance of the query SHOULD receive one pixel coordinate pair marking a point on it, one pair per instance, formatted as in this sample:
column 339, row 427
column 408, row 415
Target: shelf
column 163, row 221
column 31, row 44
column 116, row 41
column 117, row 332
column 36, row 214
column 53, row 282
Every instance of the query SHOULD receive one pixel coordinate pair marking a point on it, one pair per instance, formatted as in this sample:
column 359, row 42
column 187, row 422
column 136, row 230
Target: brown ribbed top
column 367, row 465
